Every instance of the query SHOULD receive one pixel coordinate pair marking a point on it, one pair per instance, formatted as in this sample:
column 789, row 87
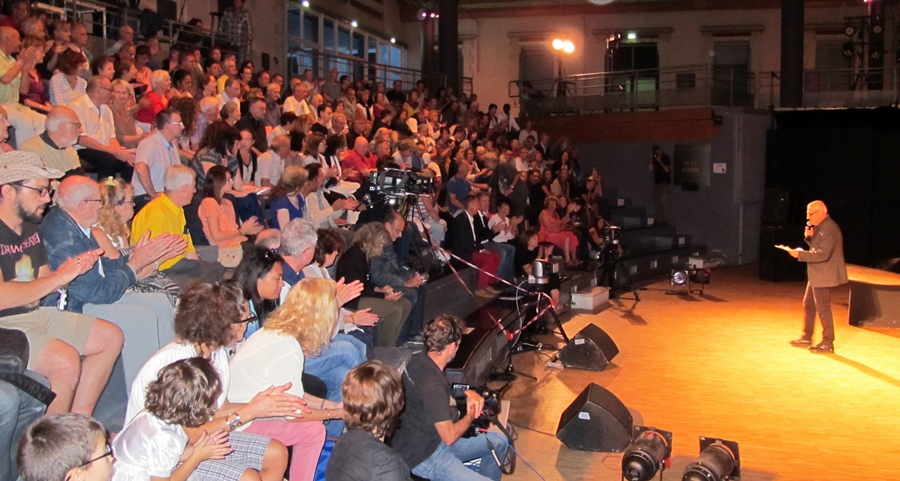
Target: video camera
column 400, row 182
column 488, row 414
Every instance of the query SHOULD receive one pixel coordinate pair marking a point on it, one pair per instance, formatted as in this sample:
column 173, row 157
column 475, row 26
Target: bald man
column 55, row 145
column 825, row 268
column 104, row 291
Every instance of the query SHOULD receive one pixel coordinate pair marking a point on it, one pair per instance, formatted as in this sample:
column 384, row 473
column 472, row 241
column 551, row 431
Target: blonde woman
column 123, row 106
column 275, row 356
column 112, row 234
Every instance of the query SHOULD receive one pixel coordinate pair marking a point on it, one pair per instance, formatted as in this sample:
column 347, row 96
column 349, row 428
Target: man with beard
column 74, row 352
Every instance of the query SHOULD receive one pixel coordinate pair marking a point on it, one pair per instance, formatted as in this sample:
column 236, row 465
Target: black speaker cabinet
column 595, row 421
column 590, row 349
column 776, row 204
column 776, row 265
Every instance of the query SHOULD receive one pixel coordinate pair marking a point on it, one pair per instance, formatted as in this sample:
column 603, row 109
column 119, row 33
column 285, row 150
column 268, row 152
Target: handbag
column 231, row 256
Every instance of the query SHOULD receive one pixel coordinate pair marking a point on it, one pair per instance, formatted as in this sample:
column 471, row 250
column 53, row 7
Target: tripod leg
column 556, row 321
column 621, row 266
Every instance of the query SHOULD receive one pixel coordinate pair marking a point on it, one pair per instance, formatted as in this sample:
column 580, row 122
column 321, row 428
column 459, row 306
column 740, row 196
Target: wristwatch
column 235, row 422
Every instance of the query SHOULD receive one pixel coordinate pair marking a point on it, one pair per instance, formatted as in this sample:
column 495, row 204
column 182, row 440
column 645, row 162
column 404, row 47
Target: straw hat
column 17, row 166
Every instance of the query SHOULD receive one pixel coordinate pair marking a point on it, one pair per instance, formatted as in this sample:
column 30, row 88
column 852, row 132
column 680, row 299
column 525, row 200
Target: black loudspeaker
column 595, row 421
column 590, row 349
column 776, row 204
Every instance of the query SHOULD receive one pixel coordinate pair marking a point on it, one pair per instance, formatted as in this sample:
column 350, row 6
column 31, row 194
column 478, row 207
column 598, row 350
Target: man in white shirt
column 231, row 93
column 97, row 144
column 155, row 154
column 297, row 102
column 270, row 165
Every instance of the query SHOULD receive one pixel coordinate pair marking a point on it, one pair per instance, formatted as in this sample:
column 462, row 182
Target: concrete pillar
column 448, row 40
column 428, row 64
column 791, row 53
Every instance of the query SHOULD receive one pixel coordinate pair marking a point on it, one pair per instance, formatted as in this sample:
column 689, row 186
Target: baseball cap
column 17, row 166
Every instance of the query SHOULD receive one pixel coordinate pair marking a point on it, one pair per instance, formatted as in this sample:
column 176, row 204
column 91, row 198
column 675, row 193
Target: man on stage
column 825, row 269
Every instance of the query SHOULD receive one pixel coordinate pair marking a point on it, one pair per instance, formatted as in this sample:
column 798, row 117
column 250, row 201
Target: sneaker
column 417, row 339
column 802, row 342
column 493, row 290
column 484, row 293
column 822, row 348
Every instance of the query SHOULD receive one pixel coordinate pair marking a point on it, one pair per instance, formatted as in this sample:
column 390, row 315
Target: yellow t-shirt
column 159, row 216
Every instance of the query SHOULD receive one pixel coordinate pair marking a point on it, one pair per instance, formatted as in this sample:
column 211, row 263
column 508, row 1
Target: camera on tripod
column 488, row 414
column 400, row 182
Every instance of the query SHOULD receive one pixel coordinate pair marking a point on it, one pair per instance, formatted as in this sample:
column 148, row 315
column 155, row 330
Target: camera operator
column 428, row 438
column 607, row 248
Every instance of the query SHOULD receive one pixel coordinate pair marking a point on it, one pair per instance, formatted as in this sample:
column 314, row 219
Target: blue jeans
column 507, row 258
column 416, row 319
column 446, row 463
column 332, row 366
column 17, row 411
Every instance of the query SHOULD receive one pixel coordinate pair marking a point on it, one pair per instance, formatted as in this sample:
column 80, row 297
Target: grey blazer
column 825, row 265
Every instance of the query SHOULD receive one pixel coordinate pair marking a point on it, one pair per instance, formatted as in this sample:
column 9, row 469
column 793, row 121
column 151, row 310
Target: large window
column 318, row 42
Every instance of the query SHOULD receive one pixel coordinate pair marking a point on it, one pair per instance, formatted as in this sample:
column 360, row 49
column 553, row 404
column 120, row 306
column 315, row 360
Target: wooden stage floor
column 720, row 365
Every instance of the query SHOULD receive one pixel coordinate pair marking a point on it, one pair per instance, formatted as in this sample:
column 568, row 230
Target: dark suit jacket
column 825, row 264
column 464, row 244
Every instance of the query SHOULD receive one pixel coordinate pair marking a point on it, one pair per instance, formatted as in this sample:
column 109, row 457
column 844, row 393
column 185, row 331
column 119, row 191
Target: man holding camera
column 428, row 438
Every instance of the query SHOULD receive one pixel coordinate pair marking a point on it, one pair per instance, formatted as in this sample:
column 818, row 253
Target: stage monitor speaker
column 591, row 349
column 595, row 421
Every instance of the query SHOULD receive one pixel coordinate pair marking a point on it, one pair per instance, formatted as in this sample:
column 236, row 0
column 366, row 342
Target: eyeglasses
column 127, row 202
column 177, row 123
column 43, row 192
column 109, row 452
column 247, row 320
column 99, row 201
column 76, row 124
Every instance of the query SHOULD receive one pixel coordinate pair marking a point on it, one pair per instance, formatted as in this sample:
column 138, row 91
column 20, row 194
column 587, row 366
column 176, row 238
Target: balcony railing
column 701, row 86
column 301, row 58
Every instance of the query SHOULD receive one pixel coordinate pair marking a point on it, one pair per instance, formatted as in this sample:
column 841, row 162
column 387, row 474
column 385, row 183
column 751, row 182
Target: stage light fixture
column 422, row 14
column 305, row 3
column 719, row 460
column 680, row 277
column 632, row 36
column 393, row 40
column 849, row 50
column 699, row 276
column 849, row 29
column 354, row 23
column 648, row 453
column 557, row 44
column 568, row 46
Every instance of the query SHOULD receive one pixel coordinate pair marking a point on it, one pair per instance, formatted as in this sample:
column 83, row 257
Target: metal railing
column 843, row 88
column 702, row 86
column 302, row 58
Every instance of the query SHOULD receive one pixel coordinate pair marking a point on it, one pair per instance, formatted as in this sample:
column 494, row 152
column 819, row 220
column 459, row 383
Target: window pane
column 293, row 20
column 310, row 27
column 343, row 40
column 359, row 45
column 328, row 34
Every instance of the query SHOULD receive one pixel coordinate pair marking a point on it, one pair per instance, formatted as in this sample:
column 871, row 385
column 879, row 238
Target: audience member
column 165, row 214
column 65, row 446
column 68, row 84
column 36, row 97
column 373, row 399
column 385, row 271
column 98, row 144
column 467, row 246
column 26, row 121
column 271, row 164
column 209, row 320
column 289, row 196
column 154, row 155
column 217, row 213
column 354, row 265
column 73, row 351
column 154, row 101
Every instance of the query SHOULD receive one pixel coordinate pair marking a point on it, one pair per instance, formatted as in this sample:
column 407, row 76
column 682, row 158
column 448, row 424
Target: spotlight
column 393, row 40
column 849, row 50
column 568, row 46
column 719, row 460
column 849, row 29
column 614, row 37
column 305, row 3
column 699, row 276
column 648, row 454
column 632, row 36
column 422, row 14
column 354, row 23
column 680, row 277
column 557, row 44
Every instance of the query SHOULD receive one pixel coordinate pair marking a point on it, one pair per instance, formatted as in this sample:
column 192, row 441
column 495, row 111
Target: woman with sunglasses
column 69, row 447
column 209, row 322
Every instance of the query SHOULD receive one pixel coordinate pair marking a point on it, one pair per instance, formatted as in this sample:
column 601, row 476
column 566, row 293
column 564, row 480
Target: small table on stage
column 874, row 297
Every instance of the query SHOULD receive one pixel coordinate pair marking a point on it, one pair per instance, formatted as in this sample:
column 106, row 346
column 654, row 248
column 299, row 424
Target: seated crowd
column 208, row 172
